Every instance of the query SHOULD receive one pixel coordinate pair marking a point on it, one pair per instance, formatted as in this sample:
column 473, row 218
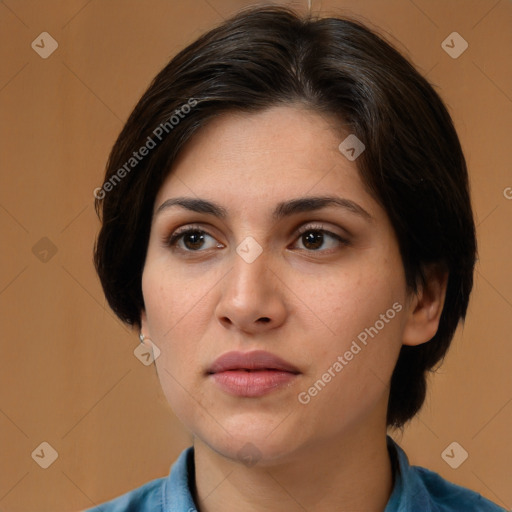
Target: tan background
column 68, row 373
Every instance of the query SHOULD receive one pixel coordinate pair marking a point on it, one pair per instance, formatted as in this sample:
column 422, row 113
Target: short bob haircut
column 263, row 57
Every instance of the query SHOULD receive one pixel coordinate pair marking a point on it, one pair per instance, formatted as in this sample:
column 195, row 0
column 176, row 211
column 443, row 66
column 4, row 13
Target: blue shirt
column 415, row 489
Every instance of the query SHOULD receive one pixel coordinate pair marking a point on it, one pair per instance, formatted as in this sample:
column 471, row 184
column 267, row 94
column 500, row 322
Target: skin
column 316, row 297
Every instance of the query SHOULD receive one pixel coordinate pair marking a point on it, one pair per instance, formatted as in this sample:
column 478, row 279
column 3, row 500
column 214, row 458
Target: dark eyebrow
column 284, row 209
column 309, row 204
column 194, row 205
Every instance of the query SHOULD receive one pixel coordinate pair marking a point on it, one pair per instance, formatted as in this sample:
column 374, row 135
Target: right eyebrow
column 194, row 205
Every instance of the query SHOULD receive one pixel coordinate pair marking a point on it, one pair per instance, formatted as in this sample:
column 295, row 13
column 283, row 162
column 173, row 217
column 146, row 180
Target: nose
column 252, row 297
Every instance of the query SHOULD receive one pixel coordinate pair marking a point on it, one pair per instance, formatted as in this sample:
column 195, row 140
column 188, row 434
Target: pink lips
column 251, row 374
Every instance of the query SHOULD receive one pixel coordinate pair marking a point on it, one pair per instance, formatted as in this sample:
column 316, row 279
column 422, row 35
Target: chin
column 251, row 440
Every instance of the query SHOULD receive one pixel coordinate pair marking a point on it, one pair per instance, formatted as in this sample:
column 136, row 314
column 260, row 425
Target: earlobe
column 426, row 307
column 143, row 323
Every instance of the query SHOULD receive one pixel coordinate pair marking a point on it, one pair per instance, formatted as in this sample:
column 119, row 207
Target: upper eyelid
column 313, row 227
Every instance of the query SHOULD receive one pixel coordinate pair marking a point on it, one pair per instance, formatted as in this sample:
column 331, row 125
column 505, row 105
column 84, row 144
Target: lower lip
column 254, row 383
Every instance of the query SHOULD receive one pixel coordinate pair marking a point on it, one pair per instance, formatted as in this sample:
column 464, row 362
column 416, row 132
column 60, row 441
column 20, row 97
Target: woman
column 286, row 220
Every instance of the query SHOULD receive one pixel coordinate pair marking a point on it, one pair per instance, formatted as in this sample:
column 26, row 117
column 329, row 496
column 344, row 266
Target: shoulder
column 147, row 497
column 418, row 488
column 448, row 496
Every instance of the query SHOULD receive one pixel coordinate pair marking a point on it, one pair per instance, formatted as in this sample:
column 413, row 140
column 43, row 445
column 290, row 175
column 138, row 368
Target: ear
column 426, row 307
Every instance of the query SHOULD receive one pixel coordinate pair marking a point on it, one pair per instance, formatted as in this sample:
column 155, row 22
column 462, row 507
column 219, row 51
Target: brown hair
column 413, row 163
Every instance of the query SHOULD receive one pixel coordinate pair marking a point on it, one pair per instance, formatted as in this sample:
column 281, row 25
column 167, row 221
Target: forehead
column 272, row 155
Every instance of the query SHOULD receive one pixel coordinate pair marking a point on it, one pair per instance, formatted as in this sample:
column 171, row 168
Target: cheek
column 165, row 313
column 361, row 308
column 349, row 301
column 178, row 311
column 352, row 365
column 170, row 298
column 172, row 306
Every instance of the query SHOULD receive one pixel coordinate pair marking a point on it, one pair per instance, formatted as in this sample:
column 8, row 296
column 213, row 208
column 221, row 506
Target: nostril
column 264, row 319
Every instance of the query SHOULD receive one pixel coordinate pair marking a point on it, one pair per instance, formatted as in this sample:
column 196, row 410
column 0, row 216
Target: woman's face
column 321, row 287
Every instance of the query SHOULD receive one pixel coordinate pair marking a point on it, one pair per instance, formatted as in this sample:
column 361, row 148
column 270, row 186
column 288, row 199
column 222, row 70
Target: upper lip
column 255, row 360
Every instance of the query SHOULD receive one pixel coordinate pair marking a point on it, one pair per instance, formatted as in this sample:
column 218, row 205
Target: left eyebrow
column 282, row 210
column 309, row 204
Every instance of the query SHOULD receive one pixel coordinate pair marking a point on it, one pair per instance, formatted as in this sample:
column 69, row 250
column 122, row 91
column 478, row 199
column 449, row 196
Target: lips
column 251, row 374
column 257, row 360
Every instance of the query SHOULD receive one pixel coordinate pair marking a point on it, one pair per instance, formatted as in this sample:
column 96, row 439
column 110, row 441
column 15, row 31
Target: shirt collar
column 178, row 488
column 408, row 491
column 407, row 494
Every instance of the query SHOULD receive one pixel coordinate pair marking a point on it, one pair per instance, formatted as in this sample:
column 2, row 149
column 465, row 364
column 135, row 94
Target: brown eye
column 314, row 238
column 193, row 240
column 190, row 240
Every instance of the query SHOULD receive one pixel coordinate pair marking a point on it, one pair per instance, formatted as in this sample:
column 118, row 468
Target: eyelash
column 172, row 240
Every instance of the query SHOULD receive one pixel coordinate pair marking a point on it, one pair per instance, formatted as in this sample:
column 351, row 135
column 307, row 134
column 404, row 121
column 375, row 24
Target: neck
column 345, row 474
